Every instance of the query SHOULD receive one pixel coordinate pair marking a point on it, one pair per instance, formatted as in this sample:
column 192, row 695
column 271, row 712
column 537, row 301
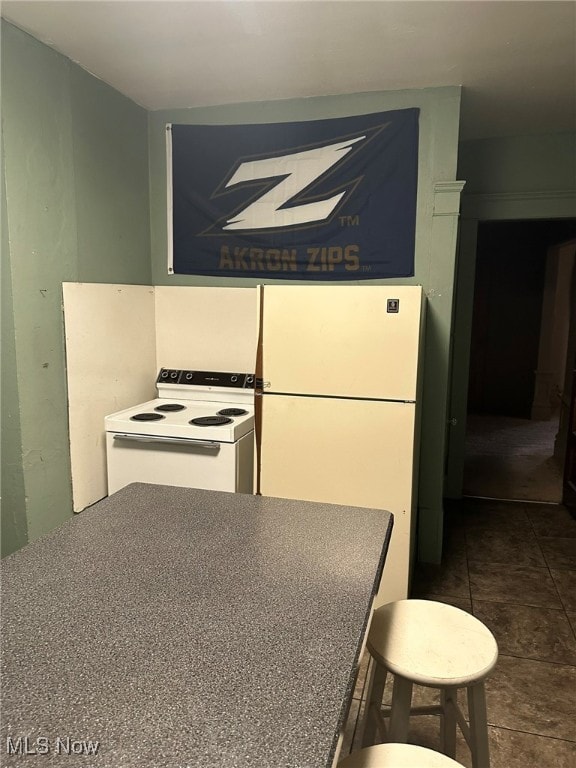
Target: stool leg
column 449, row 702
column 374, row 694
column 400, row 715
column 478, row 726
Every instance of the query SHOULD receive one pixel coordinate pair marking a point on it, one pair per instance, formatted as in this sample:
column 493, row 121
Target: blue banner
column 315, row 200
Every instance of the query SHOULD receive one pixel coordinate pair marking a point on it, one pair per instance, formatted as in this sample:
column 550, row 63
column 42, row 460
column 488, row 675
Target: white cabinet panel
column 207, row 328
column 110, row 365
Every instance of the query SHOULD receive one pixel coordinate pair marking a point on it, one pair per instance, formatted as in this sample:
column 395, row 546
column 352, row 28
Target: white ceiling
column 515, row 59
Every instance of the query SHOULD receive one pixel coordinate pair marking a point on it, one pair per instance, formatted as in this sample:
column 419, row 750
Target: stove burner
column 147, row 417
column 170, row 407
column 210, row 421
column 232, row 412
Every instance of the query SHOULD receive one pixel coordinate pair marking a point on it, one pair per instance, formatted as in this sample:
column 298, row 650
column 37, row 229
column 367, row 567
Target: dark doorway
column 509, row 444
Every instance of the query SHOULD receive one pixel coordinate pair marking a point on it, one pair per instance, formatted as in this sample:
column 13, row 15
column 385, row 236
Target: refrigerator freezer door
column 356, row 452
column 349, row 341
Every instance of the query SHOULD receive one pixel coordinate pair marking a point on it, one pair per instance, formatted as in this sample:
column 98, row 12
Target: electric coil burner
column 198, row 433
column 170, row 408
column 210, row 421
column 146, row 417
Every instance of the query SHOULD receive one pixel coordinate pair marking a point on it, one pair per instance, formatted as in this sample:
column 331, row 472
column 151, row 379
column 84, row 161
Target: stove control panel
column 205, row 378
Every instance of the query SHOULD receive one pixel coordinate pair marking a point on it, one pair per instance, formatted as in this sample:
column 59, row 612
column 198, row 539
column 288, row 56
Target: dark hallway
column 515, row 434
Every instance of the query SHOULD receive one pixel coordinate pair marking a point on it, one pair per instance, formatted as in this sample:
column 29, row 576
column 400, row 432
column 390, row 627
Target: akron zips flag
column 314, row 200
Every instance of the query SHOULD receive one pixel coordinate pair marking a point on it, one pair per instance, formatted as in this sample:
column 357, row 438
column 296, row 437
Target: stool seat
column 431, row 643
column 398, row 756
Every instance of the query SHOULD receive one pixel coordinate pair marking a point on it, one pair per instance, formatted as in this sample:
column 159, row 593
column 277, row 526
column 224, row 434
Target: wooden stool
column 437, row 646
column 398, row 756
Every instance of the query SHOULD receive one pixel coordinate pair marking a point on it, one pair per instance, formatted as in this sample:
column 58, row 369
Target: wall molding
column 447, row 197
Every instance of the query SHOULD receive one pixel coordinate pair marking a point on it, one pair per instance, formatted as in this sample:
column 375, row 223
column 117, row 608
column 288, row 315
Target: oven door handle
column 209, row 445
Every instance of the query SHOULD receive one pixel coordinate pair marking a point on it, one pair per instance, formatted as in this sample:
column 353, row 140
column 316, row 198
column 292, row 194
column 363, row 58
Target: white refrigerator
column 337, row 421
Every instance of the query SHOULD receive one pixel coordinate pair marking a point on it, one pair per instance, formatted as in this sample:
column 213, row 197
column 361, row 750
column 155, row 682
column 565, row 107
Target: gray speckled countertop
column 180, row 627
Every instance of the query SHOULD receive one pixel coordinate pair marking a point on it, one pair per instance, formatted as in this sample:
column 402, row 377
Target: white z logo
column 298, row 170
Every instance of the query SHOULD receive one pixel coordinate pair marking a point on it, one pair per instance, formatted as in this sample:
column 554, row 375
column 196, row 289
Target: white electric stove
column 198, row 433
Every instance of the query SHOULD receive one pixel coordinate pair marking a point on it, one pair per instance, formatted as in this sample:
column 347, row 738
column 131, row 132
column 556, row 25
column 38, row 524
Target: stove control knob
column 250, row 380
column 234, row 378
column 174, row 374
column 189, row 376
column 164, row 374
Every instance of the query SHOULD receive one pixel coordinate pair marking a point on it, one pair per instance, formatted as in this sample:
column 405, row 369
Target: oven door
column 187, row 463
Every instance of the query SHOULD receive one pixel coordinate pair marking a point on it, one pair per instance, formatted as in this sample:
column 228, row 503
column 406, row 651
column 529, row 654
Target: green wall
column 435, row 244
column 75, row 209
column 14, row 531
column 519, row 164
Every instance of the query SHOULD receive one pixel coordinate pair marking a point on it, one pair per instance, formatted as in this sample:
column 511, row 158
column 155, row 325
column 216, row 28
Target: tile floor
column 513, row 565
